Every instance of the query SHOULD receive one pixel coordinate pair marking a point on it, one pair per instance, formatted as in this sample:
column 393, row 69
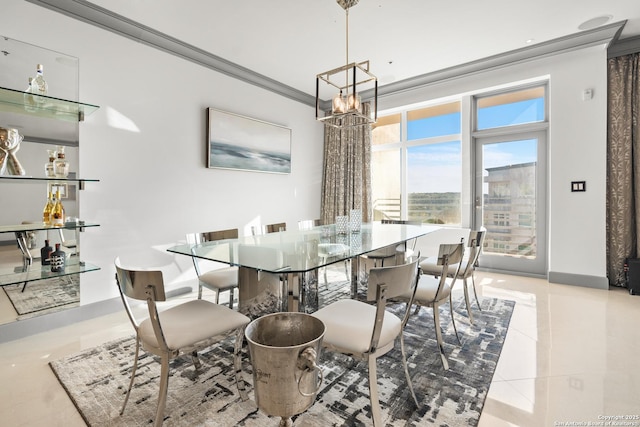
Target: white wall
column 146, row 144
column 576, row 151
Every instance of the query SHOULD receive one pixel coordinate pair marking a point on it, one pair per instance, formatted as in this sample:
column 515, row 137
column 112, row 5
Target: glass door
column 510, row 183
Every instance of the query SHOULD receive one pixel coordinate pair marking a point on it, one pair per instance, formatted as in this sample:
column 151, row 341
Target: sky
column 437, row 167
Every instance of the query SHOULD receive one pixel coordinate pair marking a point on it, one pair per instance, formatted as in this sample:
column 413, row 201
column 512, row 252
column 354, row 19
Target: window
column 512, row 108
column 418, row 177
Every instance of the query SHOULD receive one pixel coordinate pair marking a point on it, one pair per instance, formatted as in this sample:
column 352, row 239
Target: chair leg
column 133, row 375
column 195, row 359
column 473, row 283
column 376, row 412
column 406, row 369
column 466, row 301
column 231, row 298
column 436, row 322
column 199, row 290
column 453, row 320
column 237, row 364
column 164, row 386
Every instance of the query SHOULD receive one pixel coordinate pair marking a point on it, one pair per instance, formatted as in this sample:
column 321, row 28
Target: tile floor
column 570, row 358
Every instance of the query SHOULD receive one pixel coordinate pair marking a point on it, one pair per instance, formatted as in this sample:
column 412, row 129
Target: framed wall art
column 243, row 143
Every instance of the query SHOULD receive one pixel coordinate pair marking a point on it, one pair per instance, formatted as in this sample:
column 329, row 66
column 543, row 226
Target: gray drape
column 346, row 181
column 623, row 164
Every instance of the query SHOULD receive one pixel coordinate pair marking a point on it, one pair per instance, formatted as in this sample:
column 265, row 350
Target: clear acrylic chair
column 181, row 329
column 367, row 331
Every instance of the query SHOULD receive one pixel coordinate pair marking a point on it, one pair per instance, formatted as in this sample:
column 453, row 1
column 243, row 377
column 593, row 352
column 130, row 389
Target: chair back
column 208, row 236
column 476, row 239
column 387, row 283
column 449, row 254
column 399, row 280
column 308, row 224
column 274, row 228
column 400, row 221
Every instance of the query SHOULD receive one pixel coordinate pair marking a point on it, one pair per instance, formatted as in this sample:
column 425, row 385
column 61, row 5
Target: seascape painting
column 238, row 142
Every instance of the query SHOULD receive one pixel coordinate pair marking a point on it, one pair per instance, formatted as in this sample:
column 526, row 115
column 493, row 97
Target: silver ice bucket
column 284, row 348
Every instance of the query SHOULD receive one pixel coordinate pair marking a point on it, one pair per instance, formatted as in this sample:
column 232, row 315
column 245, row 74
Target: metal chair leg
column 231, row 298
column 237, row 364
column 196, row 360
column 473, row 282
column 453, row 320
column 406, row 369
column 466, row 301
column 436, row 323
column 164, row 386
column 133, row 375
column 376, row 412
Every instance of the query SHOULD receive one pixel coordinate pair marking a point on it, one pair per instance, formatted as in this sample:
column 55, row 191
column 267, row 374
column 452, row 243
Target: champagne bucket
column 284, row 348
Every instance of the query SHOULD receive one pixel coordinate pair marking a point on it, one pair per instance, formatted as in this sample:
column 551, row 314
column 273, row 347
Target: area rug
column 96, row 380
column 44, row 296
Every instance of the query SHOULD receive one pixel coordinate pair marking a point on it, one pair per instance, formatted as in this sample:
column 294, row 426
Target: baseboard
column 595, row 282
column 24, row 328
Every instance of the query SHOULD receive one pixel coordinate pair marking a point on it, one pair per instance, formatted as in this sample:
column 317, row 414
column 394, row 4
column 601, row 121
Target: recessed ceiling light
column 529, row 41
column 595, row 22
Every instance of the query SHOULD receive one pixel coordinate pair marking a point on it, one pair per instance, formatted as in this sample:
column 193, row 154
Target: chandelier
column 349, row 81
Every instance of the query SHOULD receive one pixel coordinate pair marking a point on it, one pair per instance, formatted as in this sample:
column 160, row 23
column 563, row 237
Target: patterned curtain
column 623, row 164
column 346, row 180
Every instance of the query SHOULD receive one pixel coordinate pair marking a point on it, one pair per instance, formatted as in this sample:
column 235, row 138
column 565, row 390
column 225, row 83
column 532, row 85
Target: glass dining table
column 279, row 271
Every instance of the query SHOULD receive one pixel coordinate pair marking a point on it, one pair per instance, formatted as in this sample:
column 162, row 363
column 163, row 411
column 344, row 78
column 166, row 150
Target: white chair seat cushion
column 427, row 288
column 349, row 326
column 191, row 322
column 221, row 278
column 430, row 266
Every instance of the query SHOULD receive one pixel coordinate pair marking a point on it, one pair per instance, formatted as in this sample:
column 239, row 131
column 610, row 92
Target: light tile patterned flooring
column 571, row 356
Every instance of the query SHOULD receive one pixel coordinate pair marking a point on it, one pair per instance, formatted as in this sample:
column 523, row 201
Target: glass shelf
column 27, row 179
column 14, row 101
column 40, row 226
column 18, row 275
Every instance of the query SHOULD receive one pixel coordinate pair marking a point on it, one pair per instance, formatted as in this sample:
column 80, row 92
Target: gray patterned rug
column 97, row 379
column 44, row 296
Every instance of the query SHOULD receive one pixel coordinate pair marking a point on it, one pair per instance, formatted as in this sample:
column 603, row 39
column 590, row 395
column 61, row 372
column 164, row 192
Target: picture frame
column 243, row 143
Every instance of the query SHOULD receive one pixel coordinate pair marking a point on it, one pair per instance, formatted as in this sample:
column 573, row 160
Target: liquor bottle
column 39, row 85
column 57, row 213
column 48, row 167
column 48, row 208
column 45, row 253
column 61, row 165
column 57, row 260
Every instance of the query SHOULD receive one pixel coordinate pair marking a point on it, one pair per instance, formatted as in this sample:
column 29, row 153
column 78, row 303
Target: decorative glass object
column 356, row 220
column 10, row 141
column 38, row 84
column 45, row 253
column 341, row 224
column 57, row 212
column 48, row 167
column 60, row 164
column 29, row 99
column 58, row 260
column 48, row 208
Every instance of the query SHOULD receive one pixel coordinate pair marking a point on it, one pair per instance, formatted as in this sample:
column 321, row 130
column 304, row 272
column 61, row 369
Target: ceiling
column 291, row 41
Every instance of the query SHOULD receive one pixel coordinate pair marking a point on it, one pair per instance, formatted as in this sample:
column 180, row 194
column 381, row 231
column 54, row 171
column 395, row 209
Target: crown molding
column 624, row 47
column 118, row 24
column 90, row 13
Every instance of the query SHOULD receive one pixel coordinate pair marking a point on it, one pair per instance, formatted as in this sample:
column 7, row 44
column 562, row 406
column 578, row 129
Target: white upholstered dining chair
column 218, row 279
column 432, row 291
column 367, row 331
column 181, row 329
column 466, row 270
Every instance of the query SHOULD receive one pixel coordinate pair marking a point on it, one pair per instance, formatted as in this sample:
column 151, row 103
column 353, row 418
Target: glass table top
column 302, row 250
